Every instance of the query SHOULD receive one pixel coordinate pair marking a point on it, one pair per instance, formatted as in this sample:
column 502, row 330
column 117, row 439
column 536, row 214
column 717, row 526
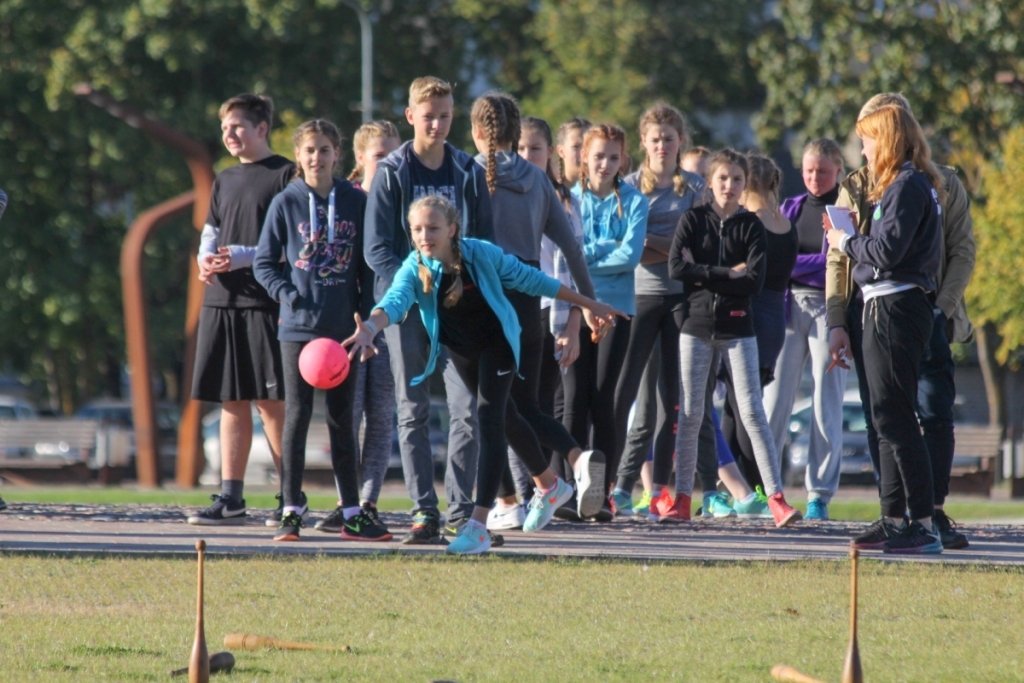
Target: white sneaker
column 589, row 474
column 502, row 517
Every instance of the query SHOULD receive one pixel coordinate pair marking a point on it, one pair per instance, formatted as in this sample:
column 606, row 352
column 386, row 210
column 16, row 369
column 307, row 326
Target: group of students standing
column 559, row 296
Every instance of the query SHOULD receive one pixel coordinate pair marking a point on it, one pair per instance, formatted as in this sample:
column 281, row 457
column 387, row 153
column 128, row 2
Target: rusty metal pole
column 190, row 455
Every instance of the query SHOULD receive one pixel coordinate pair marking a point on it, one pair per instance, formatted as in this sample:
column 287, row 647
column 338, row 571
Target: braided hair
column 664, row 114
column 450, row 216
column 366, row 132
column 497, row 115
column 613, row 133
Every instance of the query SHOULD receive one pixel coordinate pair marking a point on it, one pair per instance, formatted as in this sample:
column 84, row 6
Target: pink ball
column 323, row 363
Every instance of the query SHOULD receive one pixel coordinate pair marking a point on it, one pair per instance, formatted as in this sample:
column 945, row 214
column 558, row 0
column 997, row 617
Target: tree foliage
column 821, row 60
column 996, row 294
column 608, row 60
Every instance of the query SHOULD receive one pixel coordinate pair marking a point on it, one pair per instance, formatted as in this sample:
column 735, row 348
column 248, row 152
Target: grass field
column 428, row 618
column 496, row 619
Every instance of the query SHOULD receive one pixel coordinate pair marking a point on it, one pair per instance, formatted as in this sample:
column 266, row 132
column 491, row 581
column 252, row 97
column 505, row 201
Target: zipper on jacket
column 714, row 295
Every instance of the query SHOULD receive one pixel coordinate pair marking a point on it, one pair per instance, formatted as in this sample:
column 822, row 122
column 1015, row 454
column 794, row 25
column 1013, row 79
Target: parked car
column 116, row 413
column 260, row 469
column 855, row 465
column 14, row 408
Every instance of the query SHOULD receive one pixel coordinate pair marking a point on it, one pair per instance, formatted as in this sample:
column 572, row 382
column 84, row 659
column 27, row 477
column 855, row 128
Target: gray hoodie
column 525, row 208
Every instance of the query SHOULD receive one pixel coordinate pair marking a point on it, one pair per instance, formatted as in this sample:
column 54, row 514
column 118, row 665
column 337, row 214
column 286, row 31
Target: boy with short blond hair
column 426, row 165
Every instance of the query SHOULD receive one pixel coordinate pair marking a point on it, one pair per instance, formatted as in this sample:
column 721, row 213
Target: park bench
column 976, row 458
column 54, row 449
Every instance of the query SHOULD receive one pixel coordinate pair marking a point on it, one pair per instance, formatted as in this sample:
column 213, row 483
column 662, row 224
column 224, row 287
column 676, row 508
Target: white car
column 261, row 470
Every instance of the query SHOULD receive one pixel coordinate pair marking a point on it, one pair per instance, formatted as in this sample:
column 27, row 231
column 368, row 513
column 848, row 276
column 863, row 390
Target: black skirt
column 237, row 356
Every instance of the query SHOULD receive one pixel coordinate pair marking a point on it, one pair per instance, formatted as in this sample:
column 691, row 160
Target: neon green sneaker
column 643, row 506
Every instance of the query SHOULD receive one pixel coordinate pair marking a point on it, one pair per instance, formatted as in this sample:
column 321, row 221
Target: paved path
column 161, row 531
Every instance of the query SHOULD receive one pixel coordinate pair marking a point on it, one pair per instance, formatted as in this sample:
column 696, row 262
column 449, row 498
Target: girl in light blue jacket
column 459, row 285
column 614, row 228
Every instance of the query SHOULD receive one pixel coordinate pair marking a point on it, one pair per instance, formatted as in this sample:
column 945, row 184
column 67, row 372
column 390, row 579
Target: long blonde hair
column 664, row 114
column 898, row 139
column 450, row 216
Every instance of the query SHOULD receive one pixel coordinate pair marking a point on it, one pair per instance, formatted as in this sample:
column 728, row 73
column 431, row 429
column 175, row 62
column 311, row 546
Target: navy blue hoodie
column 387, row 210
column 905, row 241
column 320, row 282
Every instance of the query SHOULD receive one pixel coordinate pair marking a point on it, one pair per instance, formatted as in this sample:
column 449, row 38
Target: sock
column 499, row 504
column 292, row 509
column 351, row 512
column 750, row 497
column 473, row 524
column 232, row 488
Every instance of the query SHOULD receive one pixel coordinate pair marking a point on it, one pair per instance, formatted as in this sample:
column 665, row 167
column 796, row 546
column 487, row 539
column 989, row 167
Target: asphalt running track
column 160, row 531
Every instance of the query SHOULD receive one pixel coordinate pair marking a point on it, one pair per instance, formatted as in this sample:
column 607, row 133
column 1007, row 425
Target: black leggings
column 298, row 412
column 590, row 393
column 489, row 372
column 528, row 426
column 658, row 318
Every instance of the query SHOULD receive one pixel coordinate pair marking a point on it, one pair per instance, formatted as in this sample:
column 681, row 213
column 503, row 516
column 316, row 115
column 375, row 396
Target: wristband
column 370, row 325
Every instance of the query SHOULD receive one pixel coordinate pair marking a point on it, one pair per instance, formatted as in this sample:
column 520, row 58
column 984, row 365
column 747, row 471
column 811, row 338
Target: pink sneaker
column 782, row 512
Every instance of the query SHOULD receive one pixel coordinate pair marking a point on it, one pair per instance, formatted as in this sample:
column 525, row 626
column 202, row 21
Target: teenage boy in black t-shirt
column 238, row 359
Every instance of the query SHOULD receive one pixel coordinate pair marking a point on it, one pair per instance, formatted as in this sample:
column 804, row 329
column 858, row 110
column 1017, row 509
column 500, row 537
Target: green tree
column 821, row 60
column 996, row 294
column 609, row 60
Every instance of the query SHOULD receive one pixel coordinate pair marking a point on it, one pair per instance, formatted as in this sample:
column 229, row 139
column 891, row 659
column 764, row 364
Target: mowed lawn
column 501, row 619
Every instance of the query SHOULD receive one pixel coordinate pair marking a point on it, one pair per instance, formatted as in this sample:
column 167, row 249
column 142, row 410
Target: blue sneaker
column 472, row 539
column 717, row 505
column 754, row 508
column 544, row 504
column 623, row 503
column 817, row 509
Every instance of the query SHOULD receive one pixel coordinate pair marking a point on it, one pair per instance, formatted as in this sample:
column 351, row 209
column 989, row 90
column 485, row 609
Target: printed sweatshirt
column 316, row 273
column 492, row 270
column 387, row 210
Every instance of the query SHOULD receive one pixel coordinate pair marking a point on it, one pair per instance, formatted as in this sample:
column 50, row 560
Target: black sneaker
column 876, row 535
column 3, row 505
column 371, row 511
column 569, row 512
column 605, row 514
column 333, row 522
column 275, row 516
column 223, row 512
column 948, row 534
column 288, row 529
column 362, row 527
column 914, row 539
column 426, row 529
column 452, row 529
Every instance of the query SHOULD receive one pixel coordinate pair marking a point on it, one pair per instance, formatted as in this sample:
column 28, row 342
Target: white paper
column 841, row 219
